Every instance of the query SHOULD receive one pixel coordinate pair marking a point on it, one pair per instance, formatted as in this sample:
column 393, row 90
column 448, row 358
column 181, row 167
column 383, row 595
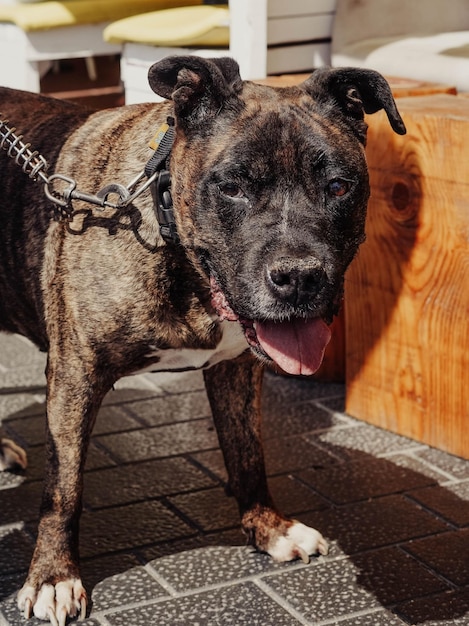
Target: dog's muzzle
column 296, row 344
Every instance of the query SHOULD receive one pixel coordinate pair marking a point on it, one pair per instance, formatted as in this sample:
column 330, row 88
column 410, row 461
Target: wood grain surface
column 407, row 293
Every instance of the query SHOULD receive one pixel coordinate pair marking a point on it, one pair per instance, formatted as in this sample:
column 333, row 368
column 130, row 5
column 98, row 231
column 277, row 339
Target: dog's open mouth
column 296, row 345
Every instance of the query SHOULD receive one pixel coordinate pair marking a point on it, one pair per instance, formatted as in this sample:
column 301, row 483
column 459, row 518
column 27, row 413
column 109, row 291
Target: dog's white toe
column 26, row 599
column 54, row 604
column 299, row 541
column 44, row 607
column 11, row 455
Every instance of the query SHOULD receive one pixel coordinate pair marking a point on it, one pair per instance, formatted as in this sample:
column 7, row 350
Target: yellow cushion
column 45, row 15
column 187, row 26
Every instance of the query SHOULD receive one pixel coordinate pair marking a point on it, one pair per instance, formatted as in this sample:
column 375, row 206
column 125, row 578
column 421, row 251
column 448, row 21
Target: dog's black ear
column 198, row 87
column 356, row 91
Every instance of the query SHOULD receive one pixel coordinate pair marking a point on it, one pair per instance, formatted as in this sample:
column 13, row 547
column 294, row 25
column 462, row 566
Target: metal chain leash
column 35, row 166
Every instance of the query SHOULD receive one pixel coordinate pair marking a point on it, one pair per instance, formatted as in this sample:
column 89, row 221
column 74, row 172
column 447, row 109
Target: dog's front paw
column 54, row 603
column 282, row 538
column 11, row 455
column 299, row 541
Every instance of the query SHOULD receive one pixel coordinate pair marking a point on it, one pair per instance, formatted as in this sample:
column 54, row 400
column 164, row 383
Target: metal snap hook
column 114, row 188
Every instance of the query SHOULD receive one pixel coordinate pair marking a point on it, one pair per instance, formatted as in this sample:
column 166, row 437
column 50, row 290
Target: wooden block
column 407, row 293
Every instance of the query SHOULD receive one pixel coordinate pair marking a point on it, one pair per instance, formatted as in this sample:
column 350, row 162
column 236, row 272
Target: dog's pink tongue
column 296, row 346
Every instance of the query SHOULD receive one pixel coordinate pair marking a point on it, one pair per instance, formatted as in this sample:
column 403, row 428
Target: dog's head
column 270, row 189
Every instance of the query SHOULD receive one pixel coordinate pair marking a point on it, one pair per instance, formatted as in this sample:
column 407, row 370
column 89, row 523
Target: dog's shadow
column 396, row 534
column 124, row 218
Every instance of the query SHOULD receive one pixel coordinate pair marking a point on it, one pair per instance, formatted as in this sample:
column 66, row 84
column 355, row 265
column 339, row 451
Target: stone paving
column 160, row 540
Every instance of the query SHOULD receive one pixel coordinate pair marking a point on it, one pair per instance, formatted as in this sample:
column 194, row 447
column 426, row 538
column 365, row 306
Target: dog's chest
column 231, row 345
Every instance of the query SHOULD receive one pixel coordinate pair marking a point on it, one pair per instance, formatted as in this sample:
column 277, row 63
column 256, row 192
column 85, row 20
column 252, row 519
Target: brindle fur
column 102, row 293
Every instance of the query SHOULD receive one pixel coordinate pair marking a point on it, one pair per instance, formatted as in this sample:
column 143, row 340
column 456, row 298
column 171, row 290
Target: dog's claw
column 53, row 619
column 323, row 547
column 303, row 555
column 62, row 617
column 28, row 608
column 83, row 608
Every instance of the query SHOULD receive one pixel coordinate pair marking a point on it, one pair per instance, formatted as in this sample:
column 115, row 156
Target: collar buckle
column 163, row 203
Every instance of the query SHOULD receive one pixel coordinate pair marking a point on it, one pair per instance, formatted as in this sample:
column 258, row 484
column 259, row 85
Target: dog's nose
column 296, row 281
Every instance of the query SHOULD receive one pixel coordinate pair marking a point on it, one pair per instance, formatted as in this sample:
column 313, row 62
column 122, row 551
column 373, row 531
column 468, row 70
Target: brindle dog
column 270, row 189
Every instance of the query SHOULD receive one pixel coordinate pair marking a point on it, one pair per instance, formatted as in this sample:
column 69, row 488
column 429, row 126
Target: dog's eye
column 231, row 190
column 338, row 187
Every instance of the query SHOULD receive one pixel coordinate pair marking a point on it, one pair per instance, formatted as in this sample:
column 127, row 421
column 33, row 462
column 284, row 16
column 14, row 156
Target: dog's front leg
column 53, row 590
column 234, row 391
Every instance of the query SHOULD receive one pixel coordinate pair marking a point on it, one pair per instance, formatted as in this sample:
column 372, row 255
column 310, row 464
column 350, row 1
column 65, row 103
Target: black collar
column 158, row 165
